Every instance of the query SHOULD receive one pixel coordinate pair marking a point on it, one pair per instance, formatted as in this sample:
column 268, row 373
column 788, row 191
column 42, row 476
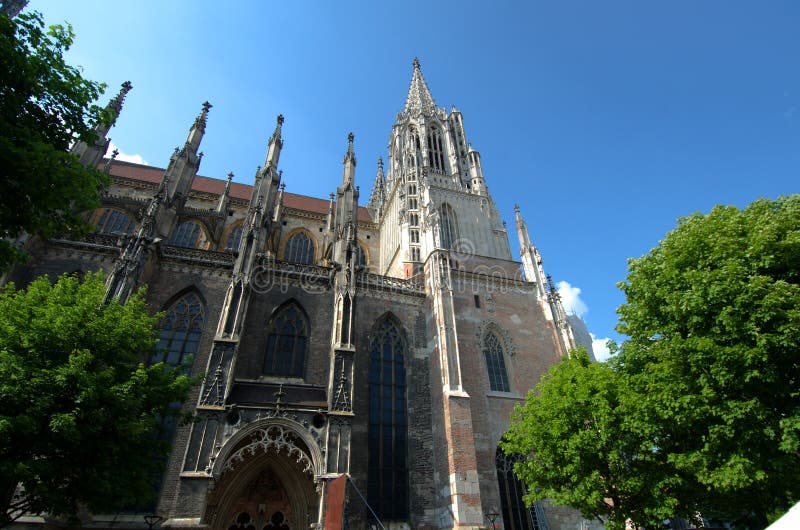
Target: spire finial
column 276, row 135
column 116, row 103
column 516, row 208
column 380, row 164
column 350, row 138
column 230, row 176
column 416, row 63
column 200, row 121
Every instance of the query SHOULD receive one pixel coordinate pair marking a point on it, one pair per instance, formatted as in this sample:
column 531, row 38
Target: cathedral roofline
column 152, row 174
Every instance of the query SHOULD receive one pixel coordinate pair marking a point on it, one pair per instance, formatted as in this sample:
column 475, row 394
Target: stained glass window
column 180, row 333
column 299, row 249
column 495, row 364
column 189, row 234
column 287, row 343
column 114, row 221
column 387, row 479
column 516, row 516
column 234, row 238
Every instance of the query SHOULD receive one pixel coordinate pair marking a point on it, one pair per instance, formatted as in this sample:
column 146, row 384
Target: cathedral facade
column 360, row 363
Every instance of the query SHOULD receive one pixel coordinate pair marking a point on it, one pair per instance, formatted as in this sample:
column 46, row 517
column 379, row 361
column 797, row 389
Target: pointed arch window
column 516, row 516
column 234, row 238
column 361, row 256
column 435, row 150
column 495, row 363
column 287, row 343
column 179, row 337
column 387, row 475
column 188, row 234
column 299, row 249
column 448, row 227
column 113, row 221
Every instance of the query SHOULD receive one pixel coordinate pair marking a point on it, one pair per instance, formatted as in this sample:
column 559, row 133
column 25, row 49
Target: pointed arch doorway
column 266, row 483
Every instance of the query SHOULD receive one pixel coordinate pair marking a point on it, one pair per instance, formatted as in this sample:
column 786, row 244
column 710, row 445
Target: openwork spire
column 419, row 99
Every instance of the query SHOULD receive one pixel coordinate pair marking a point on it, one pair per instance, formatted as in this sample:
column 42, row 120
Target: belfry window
column 448, row 227
column 180, row 332
column 413, row 219
column 516, row 516
column 287, row 343
column 387, row 475
column 234, row 238
column 113, row 221
column 435, row 150
column 189, row 234
column 299, row 249
column 495, row 364
column 414, row 253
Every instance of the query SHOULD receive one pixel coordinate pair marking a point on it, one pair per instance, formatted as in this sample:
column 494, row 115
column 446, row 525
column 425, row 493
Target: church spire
column 274, row 146
column 419, row 99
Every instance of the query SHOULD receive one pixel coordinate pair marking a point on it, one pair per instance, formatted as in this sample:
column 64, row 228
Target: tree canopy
column 700, row 408
column 45, row 106
column 80, row 413
column 587, row 451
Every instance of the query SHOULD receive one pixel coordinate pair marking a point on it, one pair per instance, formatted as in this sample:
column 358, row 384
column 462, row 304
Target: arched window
column 287, row 343
column 448, row 227
column 495, row 364
column 387, row 479
column 234, row 238
column 435, row 150
column 361, row 256
column 180, row 333
column 515, row 515
column 188, row 234
column 113, row 221
column 299, row 249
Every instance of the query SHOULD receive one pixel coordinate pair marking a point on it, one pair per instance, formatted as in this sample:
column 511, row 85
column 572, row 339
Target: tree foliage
column 700, row 408
column 713, row 315
column 586, row 451
column 79, row 411
column 45, row 106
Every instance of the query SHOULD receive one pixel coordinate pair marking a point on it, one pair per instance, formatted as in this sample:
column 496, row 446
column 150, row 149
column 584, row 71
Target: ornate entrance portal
column 266, row 482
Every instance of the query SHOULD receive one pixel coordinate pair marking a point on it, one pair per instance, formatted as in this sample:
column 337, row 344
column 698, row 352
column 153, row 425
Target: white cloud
column 600, row 349
column 571, row 299
column 124, row 157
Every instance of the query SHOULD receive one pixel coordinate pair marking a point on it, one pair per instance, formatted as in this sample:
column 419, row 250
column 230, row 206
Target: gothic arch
column 110, row 220
column 288, row 336
column 226, row 236
column 490, row 326
column 300, row 230
column 187, row 326
column 191, row 233
column 279, row 448
column 448, row 226
column 388, row 488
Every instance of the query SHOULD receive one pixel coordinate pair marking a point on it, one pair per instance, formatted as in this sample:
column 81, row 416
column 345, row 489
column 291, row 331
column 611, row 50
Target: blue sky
column 606, row 121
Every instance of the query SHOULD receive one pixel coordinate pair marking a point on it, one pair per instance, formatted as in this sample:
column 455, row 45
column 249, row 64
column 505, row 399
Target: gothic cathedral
column 359, row 363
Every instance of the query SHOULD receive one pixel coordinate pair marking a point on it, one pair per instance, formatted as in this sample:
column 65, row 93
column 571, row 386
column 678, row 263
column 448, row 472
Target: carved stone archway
column 264, row 479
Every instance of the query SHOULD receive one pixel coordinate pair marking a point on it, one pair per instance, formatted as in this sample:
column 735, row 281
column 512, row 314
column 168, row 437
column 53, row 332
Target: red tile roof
column 216, row 186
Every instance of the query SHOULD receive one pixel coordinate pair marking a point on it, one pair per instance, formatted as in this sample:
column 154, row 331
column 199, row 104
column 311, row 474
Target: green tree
column 713, row 316
column 79, row 410
column 45, row 106
column 584, row 448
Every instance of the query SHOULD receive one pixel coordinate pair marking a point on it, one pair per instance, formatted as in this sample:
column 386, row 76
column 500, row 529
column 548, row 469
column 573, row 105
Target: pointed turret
column 274, row 146
column 477, row 182
column 91, row 155
column 349, row 163
column 184, row 163
column 198, row 128
column 222, row 205
column 378, row 195
column 531, row 260
column 419, row 99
